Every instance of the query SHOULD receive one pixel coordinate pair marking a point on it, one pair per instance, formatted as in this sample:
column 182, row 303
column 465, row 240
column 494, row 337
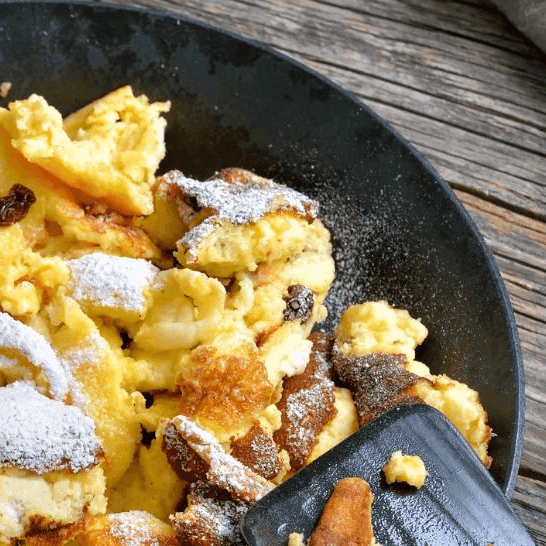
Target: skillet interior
column 399, row 233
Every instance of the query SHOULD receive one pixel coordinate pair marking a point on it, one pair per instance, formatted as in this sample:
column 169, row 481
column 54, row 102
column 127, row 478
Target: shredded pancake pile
column 159, row 368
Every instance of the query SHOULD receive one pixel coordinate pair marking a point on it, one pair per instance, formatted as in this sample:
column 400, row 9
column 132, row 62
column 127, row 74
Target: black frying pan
column 398, row 231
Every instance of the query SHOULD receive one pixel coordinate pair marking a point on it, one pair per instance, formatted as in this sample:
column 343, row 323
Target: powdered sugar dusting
column 225, row 471
column 133, row 528
column 217, row 520
column 237, row 203
column 41, row 435
column 89, row 351
column 25, row 342
column 298, row 407
column 114, row 282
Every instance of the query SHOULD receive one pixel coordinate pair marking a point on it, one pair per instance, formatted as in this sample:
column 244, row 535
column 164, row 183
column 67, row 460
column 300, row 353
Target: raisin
column 15, row 206
column 299, row 303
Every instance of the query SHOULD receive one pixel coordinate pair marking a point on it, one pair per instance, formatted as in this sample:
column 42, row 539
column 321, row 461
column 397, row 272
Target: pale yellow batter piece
column 110, row 149
column 405, row 468
column 377, row 327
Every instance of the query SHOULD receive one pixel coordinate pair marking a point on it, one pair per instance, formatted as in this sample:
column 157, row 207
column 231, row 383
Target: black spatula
column 460, row 504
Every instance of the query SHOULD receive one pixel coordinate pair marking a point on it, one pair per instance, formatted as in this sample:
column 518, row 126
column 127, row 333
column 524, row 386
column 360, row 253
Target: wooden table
column 459, row 82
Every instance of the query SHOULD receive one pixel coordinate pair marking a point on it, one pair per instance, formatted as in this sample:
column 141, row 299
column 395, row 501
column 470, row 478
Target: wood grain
column 467, row 90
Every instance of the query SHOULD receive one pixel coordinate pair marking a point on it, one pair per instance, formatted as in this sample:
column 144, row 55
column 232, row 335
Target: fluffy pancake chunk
column 405, row 468
column 345, row 421
column 226, row 386
column 27, row 354
column 109, row 149
column 92, row 353
column 209, row 519
column 237, row 219
column 341, row 426
column 185, row 309
column 42, row 435
column 386, row 381
column 275, row 284
column 32, row 503
column 128, row 528
column 460, row 404
column 150, row 484
column 346, row 517
column 195, row 454
column 375, row 326
column 61, row 224
column 114, row 286
column 306, row 405
column 26, row 278
column 124, row 528
column 48, row 463
column 285, row 352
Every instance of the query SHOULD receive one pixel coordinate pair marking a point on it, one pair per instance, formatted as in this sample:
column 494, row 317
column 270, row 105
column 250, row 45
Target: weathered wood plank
column 529, row 499
column 509, row 175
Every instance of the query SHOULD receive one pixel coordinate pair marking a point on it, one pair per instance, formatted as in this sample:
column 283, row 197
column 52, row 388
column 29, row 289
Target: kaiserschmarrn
column 159, row 368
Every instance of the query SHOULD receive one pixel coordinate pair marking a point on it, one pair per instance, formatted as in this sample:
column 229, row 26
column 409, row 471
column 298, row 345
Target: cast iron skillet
column 398, row 231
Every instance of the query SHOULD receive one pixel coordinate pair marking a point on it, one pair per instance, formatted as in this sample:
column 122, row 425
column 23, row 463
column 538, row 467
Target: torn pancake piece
column 109, row 149
column 226, row 386
column 374, row 353
column 257, row 451
column 405, row 468
column 32, row 503
column 238, row 219
column 42, row 435
column 307, row 404
column 459, row 403
column 131, row 528
column 378, row 382
column 377, row 327
column 114, row 286
column 26, row 354
column 209, row 519
column 49, row 456
column 346, row 517
column 128, row 528
column 195, row 454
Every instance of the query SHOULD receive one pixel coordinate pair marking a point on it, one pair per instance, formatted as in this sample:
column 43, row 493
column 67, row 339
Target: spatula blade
column 460, row 503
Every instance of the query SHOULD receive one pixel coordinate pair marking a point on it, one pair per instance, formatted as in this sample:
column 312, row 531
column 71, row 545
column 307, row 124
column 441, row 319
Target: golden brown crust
column 122, row 529
column 320, row 360
column 53, row 537
column 134, row 528
column 185, row 460
column 378, row 382
column 236, row 175
column 347, row 516
column 258, row 451
column 225, row 389
column 224, row 473
column 306, row 405
column 209, row 519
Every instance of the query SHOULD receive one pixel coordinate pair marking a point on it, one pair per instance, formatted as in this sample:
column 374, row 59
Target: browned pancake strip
column 378, row 382
column 258, row 451
column 347, row 516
